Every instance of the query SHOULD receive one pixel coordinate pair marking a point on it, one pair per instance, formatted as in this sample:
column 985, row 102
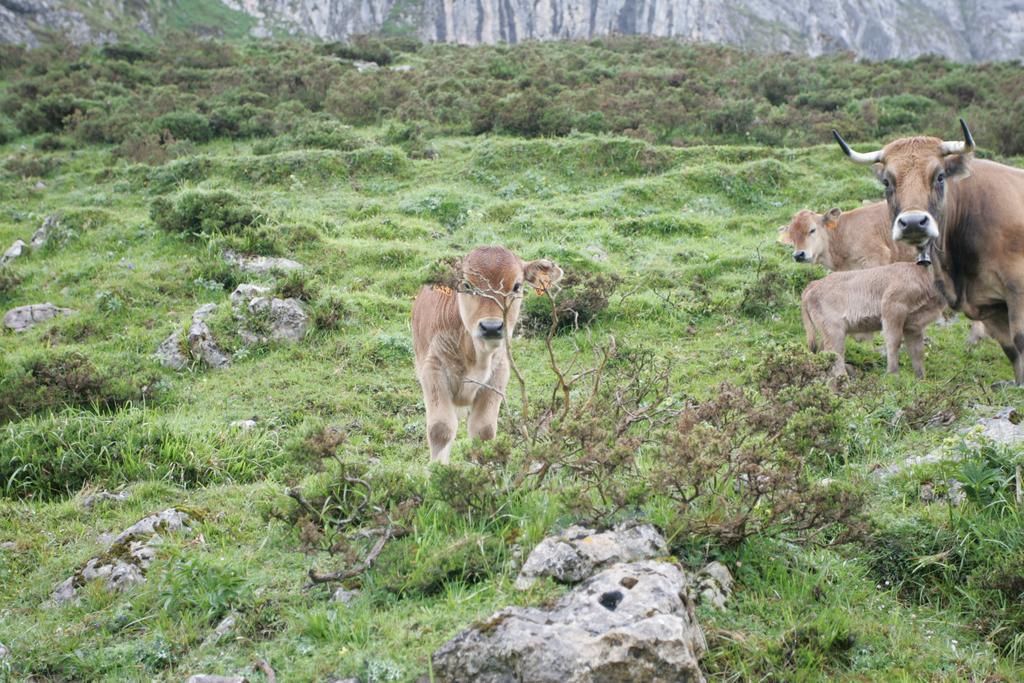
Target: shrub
column 184, row 125
column 581, row 297
column 196, row 213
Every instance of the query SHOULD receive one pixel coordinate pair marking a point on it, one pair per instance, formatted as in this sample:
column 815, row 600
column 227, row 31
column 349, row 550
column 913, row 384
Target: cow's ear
column 832, row 219
column 541, row 274
column 958, row 166
column 784, row 236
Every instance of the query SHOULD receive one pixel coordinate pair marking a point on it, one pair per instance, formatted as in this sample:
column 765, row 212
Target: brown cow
column 899, row 299
column 971, row 210
column 845, row 240
column 459, row 338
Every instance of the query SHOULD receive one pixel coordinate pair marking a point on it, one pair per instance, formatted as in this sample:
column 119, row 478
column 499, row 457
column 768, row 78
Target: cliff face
column 964, row 30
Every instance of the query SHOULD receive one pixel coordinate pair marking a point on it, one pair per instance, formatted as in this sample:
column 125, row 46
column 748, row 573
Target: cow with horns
column 967, row 214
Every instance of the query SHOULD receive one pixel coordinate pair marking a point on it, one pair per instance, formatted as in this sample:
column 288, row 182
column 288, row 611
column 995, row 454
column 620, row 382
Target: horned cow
column 459, row 339
column 899, row 299
column 970, row 211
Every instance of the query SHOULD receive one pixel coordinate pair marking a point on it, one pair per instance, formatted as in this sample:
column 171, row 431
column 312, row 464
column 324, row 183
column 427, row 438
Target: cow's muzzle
column 800, row 256
column 492, row 328
column 915, row 227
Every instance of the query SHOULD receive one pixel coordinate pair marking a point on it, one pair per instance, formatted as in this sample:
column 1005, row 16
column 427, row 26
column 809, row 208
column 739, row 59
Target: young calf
column 850, row 240
column 459, row 339
column 899, row 299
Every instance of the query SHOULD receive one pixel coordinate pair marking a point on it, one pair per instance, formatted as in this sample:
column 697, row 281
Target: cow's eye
column 465, row 287
column 812, row 231
column 941, row 178
column 885, row 182
column 517, row 287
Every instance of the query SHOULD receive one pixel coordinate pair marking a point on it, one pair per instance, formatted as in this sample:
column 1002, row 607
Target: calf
column 899, row 299
column 460, row 340
column 850, row 240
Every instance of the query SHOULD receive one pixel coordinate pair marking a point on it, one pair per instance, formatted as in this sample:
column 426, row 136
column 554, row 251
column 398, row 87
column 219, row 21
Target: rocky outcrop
column 578, row 552
column 125, row 561
column 198, row 344
column 261, row 265
column 964, row 30
column 631, row 622
column 23, row 317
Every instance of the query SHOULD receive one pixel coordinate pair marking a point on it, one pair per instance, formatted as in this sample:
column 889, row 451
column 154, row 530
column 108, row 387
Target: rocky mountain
column 963, row 30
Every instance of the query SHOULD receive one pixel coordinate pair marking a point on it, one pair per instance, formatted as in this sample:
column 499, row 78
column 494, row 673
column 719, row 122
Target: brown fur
column 980, row 222
column 459, row 369
column 853, row 240
column 899, row 299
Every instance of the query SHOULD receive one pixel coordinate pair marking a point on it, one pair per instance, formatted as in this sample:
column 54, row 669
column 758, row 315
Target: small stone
column 245, row 293
column 363, row 67
column 89, row 501
column 13, row 252
column 344, row 596
column 210, row 678
column 5, row 652
column 40, row 185
column 23, row 317
column 714, row 585
column 287, row 317
column 261, row 265
column 39, row 236
column 221, row 630
column 401, row 68
column 244, row 425
column 171, row 352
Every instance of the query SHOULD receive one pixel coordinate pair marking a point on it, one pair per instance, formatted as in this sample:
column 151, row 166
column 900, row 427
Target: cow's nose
column 914, row 221
column 799, row 256
column 491, row 329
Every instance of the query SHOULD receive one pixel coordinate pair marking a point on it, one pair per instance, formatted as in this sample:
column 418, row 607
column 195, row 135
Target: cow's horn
column 958, row 147
column 857, row 157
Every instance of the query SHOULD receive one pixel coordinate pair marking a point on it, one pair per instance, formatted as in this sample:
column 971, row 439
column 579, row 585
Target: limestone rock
column 578, row 552
column 40, row 236
column 344, row 596
column 287, row 318
column 198, row 343
column 714, row 585
column 245, row 293
column 91, row 500
column 23, row 317
column 221, row 630
column 13, row 252
column 261, row 265
column 127, row 557
column 210, row 678
column 629, row 623
column 245, row 425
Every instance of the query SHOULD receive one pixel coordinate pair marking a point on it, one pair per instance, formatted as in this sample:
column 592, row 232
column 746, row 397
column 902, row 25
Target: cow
column 900, row 299
column 845, row 240
column 460, row 336
column 968, row 213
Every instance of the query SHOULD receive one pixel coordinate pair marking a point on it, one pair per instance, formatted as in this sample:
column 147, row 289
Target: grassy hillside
column 680, row 242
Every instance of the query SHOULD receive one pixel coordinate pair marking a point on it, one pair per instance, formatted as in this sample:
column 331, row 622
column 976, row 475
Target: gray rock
column 221, row 630
column 90, row 501
column 363, row 67
column 261, row 265
column 40, row 236
column 171, row 352
column 287, row 318
column 245, row 425
column 629, row 623
column 714, row 585
column 13, row 252
column 401, row 68
column 344, row 596
column 23, row 317
column 245, row 293
column 1005, row 428
column 5, row 652
column 578, row 552
column 210, row 678
column 952, row 491
column 127, row 557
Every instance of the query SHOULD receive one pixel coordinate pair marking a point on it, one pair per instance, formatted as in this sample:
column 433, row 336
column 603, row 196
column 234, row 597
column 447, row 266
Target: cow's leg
column 834, row 339
column 1015, row 311
column 893, row 333
column 442, row 420
column 483, row 415
column 998, row 327
column 915, row 347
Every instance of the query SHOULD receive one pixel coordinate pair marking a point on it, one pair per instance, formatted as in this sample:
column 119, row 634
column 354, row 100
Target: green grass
column 691, row 232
